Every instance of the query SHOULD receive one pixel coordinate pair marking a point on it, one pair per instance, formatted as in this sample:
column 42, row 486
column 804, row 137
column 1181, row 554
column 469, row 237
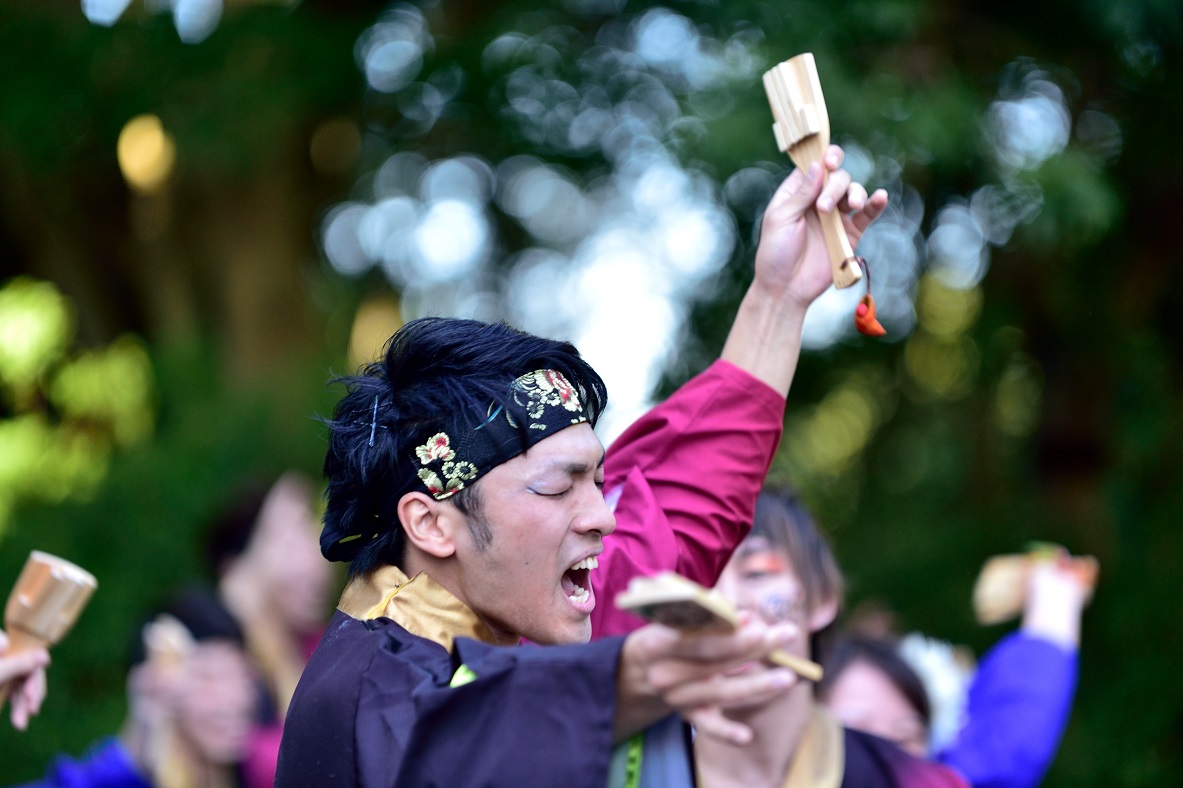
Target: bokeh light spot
column 452, row 239
column 35, row 331
column 828, row 438
column 376, row 320
column 146, row 153
column 112, row 385
column 945, row 311
column 104, row 12
column 944, row 367
column 1017, row 396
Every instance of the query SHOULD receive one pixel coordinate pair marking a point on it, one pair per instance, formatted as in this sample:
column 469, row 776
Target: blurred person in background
column 265, row 552
column 783, row 572
column 22, row 682
column 1007, row 728
column 869, row 687
column 192, row 701
column 1018, row 702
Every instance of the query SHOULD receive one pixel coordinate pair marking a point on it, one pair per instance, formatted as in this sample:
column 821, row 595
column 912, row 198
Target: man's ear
column 427, row 524
column 823, row 614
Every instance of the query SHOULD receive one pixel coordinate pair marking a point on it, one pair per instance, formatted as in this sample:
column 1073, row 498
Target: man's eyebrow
column 576, row 468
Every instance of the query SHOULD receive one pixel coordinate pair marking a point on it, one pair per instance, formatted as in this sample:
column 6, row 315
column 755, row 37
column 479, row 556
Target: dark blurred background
column 208, row 209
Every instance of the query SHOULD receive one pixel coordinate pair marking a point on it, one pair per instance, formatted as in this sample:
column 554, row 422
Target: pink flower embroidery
column 556, row 382
column 438, row 447
column 545, row 388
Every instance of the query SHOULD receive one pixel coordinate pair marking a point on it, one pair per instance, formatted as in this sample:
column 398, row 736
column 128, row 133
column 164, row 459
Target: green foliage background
column 1086, row 295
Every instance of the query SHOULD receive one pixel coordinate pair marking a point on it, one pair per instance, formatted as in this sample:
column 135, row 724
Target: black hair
column 201, row 613
column 786, row 525
column 848, row 649
column 232, row 528
column 434, row 371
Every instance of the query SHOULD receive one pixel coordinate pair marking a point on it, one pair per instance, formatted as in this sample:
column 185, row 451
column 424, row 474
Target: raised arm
column 1021, row 697
column 684, row 478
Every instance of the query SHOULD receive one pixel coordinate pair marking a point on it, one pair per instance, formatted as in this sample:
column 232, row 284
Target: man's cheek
column 775, row 606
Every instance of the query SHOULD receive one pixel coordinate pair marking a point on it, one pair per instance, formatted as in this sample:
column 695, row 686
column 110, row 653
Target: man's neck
column 779, row 728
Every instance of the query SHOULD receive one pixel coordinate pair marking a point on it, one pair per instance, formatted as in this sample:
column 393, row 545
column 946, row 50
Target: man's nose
column 596, row 517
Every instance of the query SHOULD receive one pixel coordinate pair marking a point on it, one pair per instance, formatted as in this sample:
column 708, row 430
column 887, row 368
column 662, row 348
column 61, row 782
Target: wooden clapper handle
column 802, row 129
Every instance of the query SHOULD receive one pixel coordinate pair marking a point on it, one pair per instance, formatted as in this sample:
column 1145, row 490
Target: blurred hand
column 1056, row 595
column 698, row 676
column 22, row 681
column 151, row 698
column 792, row 259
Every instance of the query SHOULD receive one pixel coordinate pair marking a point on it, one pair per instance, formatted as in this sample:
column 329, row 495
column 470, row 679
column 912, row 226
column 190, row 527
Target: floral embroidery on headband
column 438, row 447
column 433, row 483
column 457, row 472
column 544, row 399
column 547, row 388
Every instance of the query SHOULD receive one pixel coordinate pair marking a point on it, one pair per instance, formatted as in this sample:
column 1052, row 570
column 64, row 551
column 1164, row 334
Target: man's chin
column 565, row 635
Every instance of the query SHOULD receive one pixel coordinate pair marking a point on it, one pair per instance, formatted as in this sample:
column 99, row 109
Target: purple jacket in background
column 1016, row 713
column 106, row 765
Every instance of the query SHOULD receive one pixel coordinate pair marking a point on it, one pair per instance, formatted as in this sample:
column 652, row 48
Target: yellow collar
column 821, row 758
column 419, row 605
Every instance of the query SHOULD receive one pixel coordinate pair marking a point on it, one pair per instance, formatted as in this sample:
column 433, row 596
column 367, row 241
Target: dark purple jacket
column 375, row 707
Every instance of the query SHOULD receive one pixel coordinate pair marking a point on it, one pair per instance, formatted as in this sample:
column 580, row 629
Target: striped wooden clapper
column 802, row 130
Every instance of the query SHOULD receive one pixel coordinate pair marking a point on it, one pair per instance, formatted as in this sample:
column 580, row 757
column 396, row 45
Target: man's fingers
column 854, row 199
column 871, row 210
column 833, row 157
column 753, row 687
column 749, row 642
column 20, row 707
column 34, row 691
column 673, row 660
column 22, row 664
column 709, row 721
column 794, row 196
column 804, row 189
column 834, row 190
column 657, row 642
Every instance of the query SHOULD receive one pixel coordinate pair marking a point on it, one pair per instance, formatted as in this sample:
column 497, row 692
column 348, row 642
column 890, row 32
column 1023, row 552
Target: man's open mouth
column 576, row 581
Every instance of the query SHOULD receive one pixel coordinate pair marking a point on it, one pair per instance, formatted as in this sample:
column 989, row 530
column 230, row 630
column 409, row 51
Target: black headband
column 539, row 404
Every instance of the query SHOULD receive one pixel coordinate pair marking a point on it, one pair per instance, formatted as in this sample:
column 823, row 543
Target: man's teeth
column 588, row 563
column 579, row 594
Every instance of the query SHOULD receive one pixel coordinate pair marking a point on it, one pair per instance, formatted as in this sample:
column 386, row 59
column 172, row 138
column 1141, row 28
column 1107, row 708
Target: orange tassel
column 864, row 318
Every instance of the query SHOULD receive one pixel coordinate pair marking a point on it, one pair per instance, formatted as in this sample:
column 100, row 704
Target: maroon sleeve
column 684, row 480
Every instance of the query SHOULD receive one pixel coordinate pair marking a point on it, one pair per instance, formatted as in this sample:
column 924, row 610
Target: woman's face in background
column 864, row 698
